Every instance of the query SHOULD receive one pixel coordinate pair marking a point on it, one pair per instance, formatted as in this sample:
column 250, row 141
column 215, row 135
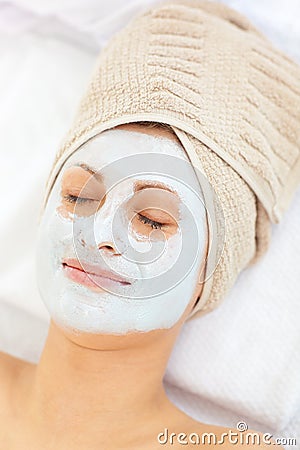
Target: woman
column 99, row 382
column 133, row 241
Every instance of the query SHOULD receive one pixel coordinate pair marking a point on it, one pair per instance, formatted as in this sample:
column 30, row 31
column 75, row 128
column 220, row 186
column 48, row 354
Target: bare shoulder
column 181, row 429
column 10, row 367
column 9, row 364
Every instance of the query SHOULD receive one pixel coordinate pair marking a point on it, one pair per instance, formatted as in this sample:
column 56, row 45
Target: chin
column 110, row 341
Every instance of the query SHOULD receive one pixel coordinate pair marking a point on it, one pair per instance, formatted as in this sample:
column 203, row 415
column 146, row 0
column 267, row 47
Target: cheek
column 55, row 239
column 160, row 256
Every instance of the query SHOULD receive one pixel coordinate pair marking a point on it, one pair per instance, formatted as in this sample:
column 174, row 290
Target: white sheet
column 241, row 362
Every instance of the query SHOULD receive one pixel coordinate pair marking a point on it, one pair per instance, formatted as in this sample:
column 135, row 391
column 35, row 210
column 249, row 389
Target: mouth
column 92, row 276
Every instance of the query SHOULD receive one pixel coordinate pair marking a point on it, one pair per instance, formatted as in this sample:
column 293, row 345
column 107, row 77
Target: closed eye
column 74, row 199
column 147, row 221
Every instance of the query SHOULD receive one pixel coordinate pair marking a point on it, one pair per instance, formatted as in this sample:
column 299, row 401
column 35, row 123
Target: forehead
column 122, row 156
column 119, row 143
column 130, row 153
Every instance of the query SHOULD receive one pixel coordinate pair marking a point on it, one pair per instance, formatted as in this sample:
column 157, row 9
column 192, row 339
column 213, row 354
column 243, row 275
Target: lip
column 92, row 276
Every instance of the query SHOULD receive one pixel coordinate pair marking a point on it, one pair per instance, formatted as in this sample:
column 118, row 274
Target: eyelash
column 145, row 220
column 150, row 222
column 74, row 199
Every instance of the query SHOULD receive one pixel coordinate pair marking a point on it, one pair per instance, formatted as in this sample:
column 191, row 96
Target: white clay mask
column 123, row 237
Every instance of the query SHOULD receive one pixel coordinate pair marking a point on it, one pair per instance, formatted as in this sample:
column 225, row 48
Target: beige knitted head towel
column 232, row 99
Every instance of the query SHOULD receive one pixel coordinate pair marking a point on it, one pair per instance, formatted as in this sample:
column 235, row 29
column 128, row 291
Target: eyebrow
column 139, row 185
column 90, row 170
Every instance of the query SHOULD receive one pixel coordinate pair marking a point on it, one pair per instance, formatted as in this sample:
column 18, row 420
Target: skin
column 97, row 392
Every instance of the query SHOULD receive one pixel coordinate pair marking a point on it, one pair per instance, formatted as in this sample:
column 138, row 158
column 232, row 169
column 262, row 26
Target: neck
column 106, row 387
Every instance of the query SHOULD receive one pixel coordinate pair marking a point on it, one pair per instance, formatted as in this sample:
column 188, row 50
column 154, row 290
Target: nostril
column 108, row 246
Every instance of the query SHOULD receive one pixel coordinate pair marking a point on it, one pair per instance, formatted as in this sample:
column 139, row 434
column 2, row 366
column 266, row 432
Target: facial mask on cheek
column 164, row 273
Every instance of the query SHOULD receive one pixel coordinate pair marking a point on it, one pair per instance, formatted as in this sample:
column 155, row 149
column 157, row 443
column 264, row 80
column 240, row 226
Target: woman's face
column 123, row 238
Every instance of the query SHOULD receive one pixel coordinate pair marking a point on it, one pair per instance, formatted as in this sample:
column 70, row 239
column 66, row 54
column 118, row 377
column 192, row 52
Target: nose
column 108, row 247
column 106, row 233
